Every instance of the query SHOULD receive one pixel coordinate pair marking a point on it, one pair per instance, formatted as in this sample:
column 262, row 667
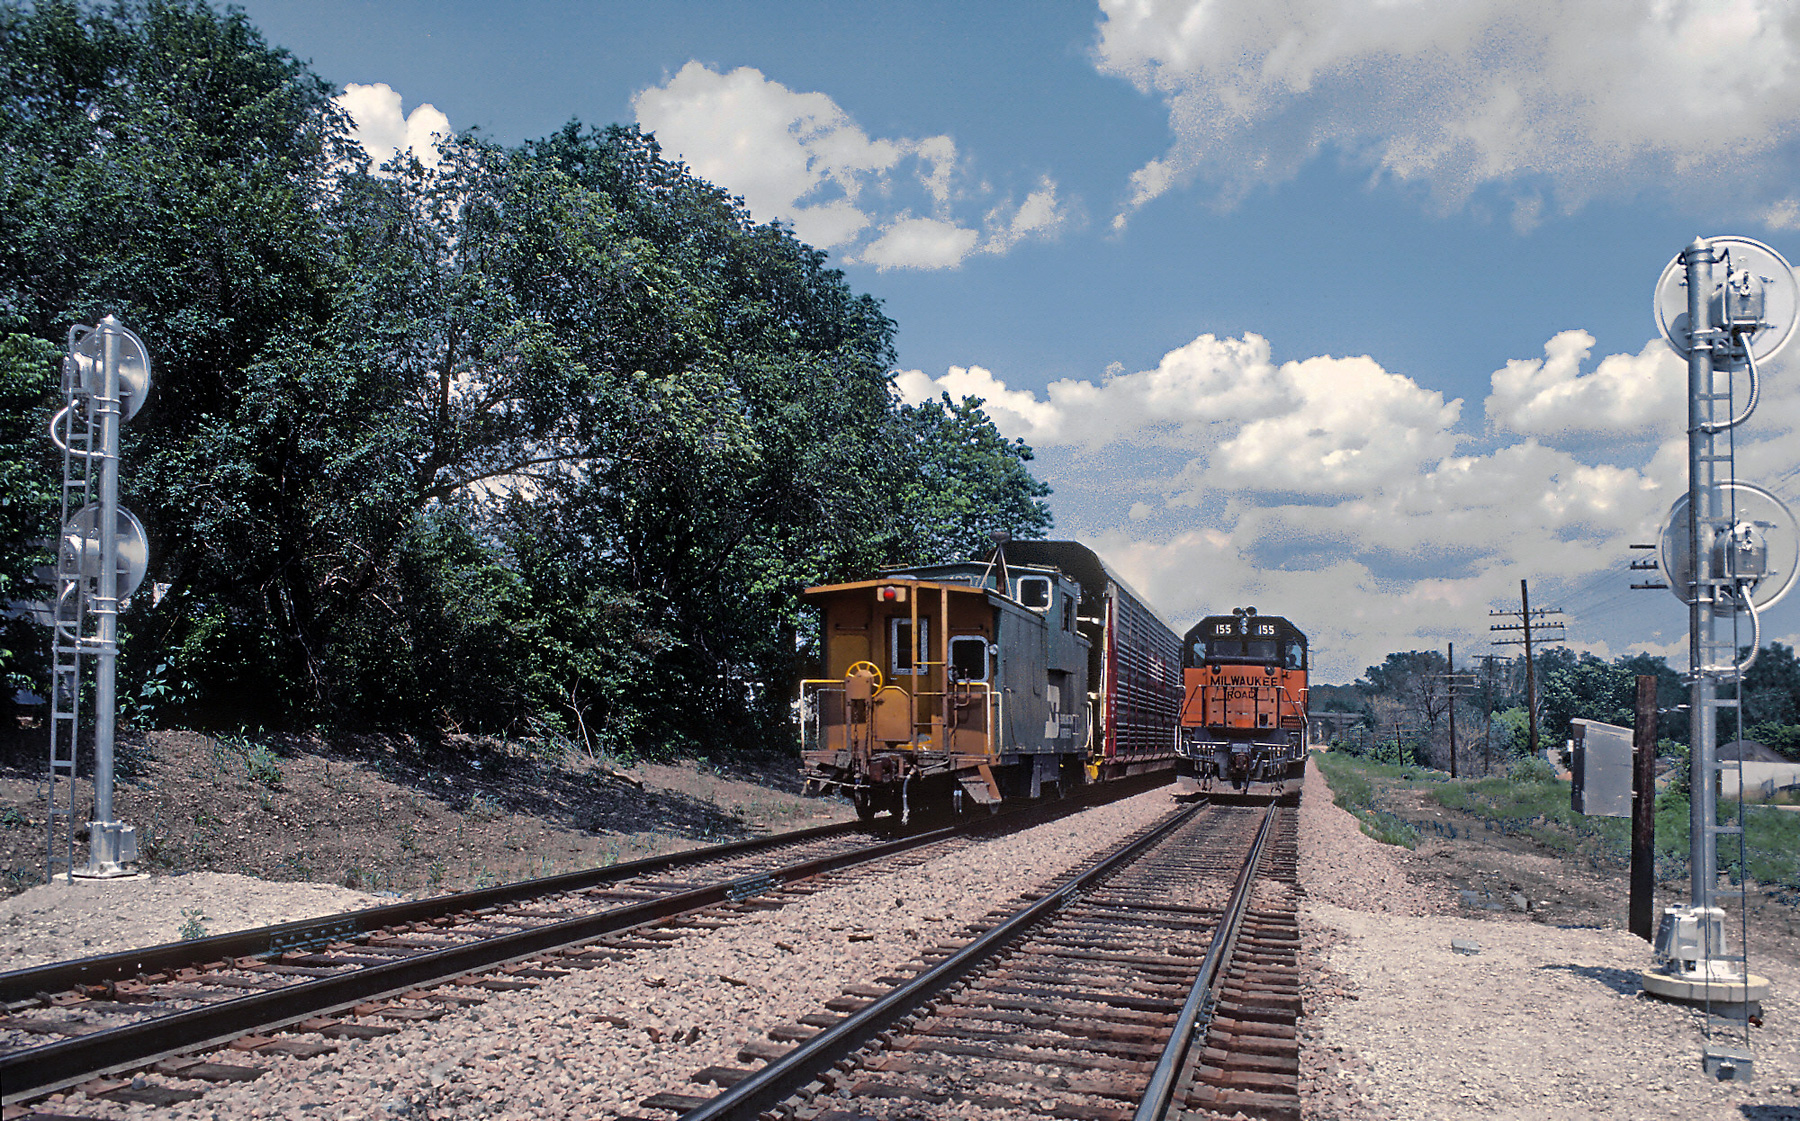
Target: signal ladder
column 76, row 431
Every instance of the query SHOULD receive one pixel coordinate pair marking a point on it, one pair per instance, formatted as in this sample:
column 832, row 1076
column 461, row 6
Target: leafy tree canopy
column 534, row 438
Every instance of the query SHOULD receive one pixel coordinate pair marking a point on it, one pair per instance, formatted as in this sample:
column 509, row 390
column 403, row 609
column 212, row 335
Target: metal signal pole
column 102, row 555
column 1724, row 304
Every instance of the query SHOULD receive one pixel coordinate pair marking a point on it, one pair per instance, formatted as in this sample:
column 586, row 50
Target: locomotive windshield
column 1286, row 653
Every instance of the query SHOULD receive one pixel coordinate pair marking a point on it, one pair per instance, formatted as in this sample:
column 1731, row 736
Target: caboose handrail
column 967, row 688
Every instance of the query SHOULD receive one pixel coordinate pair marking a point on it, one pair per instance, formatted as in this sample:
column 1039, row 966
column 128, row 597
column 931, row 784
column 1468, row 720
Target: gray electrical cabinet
column 1601, row 770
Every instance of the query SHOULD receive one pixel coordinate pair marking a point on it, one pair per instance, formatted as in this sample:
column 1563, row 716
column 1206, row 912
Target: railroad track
column 276, row 990
column 1084, row 1004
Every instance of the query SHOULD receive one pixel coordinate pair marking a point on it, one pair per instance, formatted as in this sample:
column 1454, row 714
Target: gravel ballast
column 1542, row 1022
column 597, row 1042
column 86, row 918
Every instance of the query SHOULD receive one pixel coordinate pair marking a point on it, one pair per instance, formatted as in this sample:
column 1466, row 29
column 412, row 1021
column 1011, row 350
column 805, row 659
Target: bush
column 1531, row 769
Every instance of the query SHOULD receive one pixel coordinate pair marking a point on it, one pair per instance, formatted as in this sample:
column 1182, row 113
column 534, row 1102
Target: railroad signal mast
column 102, row 555
column 1729, row 551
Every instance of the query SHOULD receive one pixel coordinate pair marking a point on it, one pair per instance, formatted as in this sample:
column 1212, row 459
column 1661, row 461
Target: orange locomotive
column 1243, row 708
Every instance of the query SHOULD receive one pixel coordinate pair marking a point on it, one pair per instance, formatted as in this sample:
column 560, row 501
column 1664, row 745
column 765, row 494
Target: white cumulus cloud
column 1365, row 505
column 1588, row 96
column 798, row 157
column 920, row 243
column 1625, row 395
column 384, row 131
column 1325, row 425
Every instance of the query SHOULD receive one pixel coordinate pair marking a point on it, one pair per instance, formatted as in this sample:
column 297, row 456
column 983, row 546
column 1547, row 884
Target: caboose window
column 1034, row 592
column 969, row 658
column 903, row 655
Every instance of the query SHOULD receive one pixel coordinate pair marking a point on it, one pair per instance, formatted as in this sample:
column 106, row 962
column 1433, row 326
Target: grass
column 1532, row 802
column 1350, row 784
column 1536, row 805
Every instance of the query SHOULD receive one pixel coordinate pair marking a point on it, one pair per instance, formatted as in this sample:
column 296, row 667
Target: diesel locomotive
column 973, row 683
column 1243, row 705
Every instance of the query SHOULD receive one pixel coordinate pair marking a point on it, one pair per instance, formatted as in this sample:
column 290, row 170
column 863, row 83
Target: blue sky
column 1337, row 308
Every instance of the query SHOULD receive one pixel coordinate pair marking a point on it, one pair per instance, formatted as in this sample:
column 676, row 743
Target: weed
column 12, row 818
column 483, row 807
column 435, row 877
column 409, row 837
column 263, row 768
column 191, row 927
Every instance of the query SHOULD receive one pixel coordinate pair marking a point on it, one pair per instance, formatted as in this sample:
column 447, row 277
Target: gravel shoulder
column 1546, row 1021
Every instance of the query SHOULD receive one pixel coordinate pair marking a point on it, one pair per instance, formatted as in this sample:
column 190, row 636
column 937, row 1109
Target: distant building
column 1750, row 752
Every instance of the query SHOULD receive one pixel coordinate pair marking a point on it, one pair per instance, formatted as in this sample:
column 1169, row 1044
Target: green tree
column 27, row 466
column 534, row 436
column 160, row 162
column 27, row 497
column 965, row 481
column 1583, row 686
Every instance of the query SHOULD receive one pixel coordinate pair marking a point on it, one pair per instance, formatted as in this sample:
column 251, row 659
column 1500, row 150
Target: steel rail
column 36, row 1071
column 788, row 1075
column 1196, row 1011
column 24, row 984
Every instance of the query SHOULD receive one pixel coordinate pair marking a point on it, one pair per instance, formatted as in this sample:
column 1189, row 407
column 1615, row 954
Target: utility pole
column 1533, row 625
column 1453, row 683
column 1530, row 668
column 1450, row 688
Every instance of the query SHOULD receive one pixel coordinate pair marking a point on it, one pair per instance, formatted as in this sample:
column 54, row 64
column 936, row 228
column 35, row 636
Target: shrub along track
column 1080, row 1005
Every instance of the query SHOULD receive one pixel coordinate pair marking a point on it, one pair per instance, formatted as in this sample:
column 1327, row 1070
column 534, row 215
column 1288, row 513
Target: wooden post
column 1450, row 689
column 1530, row 672
column 1643, row 811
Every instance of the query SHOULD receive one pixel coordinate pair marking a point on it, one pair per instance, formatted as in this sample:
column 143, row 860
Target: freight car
column 1243, row 709
column 973, row 683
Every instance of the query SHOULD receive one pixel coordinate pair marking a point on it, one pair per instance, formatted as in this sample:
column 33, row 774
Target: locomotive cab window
column 1294, row 656
column 903, row 654
column 969, row 658
column 1034, row 592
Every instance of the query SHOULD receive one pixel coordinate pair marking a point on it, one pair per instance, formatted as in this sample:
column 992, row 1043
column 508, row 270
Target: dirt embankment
column 384, row 815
